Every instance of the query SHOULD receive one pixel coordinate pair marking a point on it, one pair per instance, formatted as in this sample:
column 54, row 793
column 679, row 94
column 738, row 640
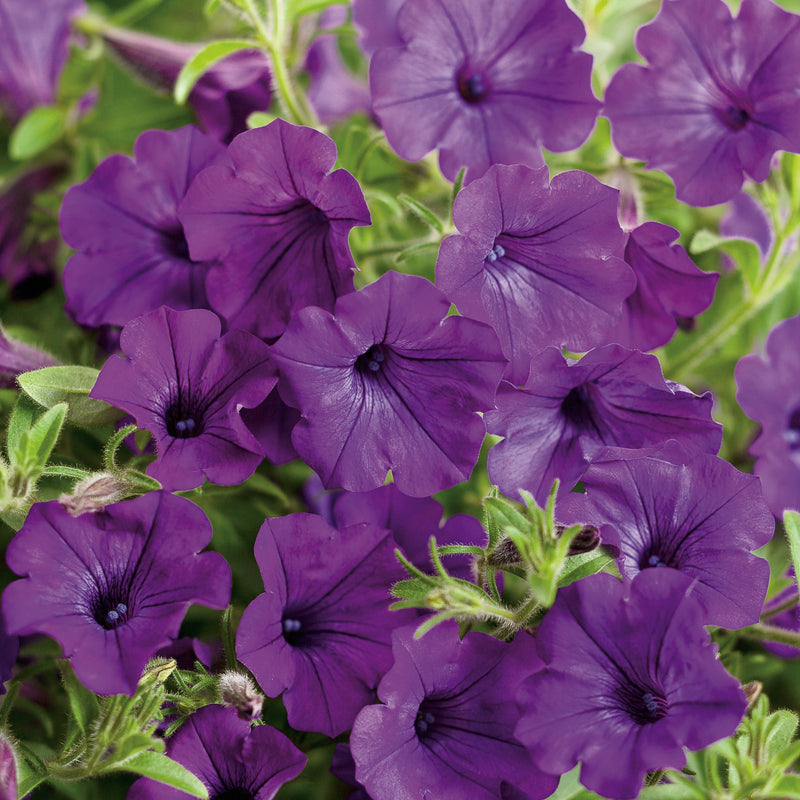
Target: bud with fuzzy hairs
column 8, row 770
column 93, row 493
column 235, row 689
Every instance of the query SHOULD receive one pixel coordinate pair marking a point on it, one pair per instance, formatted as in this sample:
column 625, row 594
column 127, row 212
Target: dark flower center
column 292, row 630
column 110, row 614
column 473, row 86
column 424, row 722
column 234, row 793
column 371, row 361
column 174, row 241
column 792, row 432
column 316, row 216
column 735, row 117
column 644, row 705
column 498, row 251
column 576, row 408
column 183, row 419
column 656, row 557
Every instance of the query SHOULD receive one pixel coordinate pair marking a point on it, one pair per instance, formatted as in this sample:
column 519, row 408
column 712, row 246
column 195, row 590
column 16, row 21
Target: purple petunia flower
column 377, row 22
column 412, row 521
column 391, row 375
column 186, row 384
column 446, row 727
column 123, row 221
column 769, row 393
column 16, row 358
column 687, row 512
column 540, row 262
column 747, row 219
column 718, row 97
column 569, row 410
column 629, row 680
column 485, row 82
column 34, row 44
column 788, row 619
column 668, row 286
column 334, row 92
column 321, row 631
column 113, row 587
column 233, row 760
column 222, row 98
column 278, row 223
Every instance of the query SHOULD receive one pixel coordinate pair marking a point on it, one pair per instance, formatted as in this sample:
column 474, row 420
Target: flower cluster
column 236, row 276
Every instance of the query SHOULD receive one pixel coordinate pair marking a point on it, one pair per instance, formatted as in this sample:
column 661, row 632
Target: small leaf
column 791, row 522
column 36, row 131
column 201, row 62
column 83, row 703
column 70, row 385
column 781, row 727
column 22, row 417
column 300, row 8
column 422, row 212
column 164, row 770
column 506, row 517
column 42, row 437
column 744, row 252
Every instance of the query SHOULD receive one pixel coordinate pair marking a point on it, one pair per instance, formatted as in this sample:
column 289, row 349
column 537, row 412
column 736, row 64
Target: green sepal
column 744, row 252
column 164, row 770
column 791, row 522
column 21, row 420
column 132, row 745
column 36, row 444
column 31, row 770
column 202, row 61
column 84, row 704
column 39, row 129
column 71, row 385
column 582, row 565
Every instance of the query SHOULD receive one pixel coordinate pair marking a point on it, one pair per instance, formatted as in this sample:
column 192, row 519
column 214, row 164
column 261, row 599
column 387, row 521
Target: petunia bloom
column 718, row 97
column 223, row 97
column 691, row 513
column 485, row 82
column 569, row 410
column 186, row 384
column 34, row 45
column 233, row 760
column 278, row 224
column 669, row 286
column 123, row 221
column 629, row 681
column 321, row 630
column 113, row 587
column 540, row 261
column 446, row 726
column 16, row 358
column 391, row 375
column 769, row 393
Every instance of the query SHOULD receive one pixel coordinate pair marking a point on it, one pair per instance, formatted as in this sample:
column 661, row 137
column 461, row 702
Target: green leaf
column 580, row 566
column 791, row 522
column 36, row 131
column 42, row 437
column 422, row 212
column 164, row 770
column 201, row 62
column 70, row 385
column 83, row 703
column 744, row 252
column 782, row 725
column 506, row 517
column 299, row 8
column 788, row 787
column 22, row 417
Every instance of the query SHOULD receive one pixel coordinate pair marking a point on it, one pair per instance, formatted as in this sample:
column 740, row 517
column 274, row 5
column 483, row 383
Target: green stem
column 785, row 606
column 771, row 633
column 526, row 610
column 10, row 696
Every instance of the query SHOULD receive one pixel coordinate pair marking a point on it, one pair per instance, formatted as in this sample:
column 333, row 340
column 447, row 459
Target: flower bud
column 236, row 690
column 93, row 494
column 8, row 770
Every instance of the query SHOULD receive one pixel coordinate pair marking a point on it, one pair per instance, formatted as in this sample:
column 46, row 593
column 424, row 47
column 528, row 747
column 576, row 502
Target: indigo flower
column 540, row 262
column 186, row 384
column 123, row 221
column 485, row 82
column 233, row 760
column 446, row 727
column 769, row 393
column 113, row 587
column 747, row 219
column 629, row 680
column 321, row 630
column 718, row 97
column 682, row 511
column 34, row 45
column 569, row 410
column 278, row 222
column 391, row 375
column 222, row 98
column 668, row 286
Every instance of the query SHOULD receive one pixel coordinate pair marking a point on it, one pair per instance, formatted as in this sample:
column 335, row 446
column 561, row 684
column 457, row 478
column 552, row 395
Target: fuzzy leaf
column 36, row 131
column 164, row 770
column 201, row 62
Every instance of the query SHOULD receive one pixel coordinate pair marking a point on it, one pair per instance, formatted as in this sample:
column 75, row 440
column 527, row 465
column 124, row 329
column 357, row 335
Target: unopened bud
column 752, row 691
column 8, row 770
column 584, row 541
column 93, row 494
column 505, row 553
column 236, row 690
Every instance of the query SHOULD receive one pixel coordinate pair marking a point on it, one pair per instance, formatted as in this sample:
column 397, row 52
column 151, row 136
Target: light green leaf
column 70, row 385
column 164, row 770
column 22, row 417
column 83, row 703
column 791, row 522
column 42, row 437
column 36, row 131
column 201, row 62
column 299, row 8
column 744, row 252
